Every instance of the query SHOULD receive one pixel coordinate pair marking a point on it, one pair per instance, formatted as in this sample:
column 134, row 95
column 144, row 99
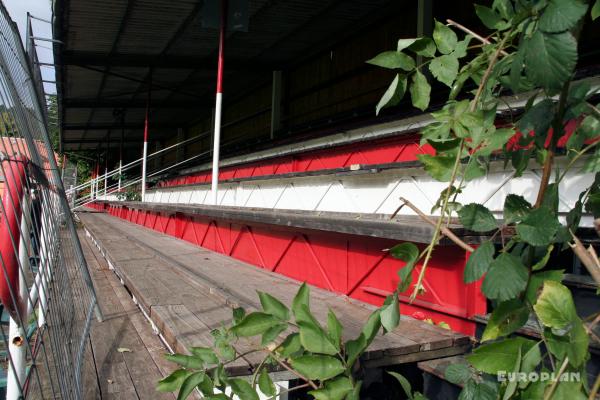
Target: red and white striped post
column 145, row 151
column 218, row 105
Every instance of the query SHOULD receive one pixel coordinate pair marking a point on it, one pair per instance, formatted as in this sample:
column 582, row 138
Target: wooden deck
column 187, row 291
column 125, row 359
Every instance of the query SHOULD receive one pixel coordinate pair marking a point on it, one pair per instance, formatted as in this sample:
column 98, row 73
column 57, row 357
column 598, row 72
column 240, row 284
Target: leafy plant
column 315, row 354
column 530, row 49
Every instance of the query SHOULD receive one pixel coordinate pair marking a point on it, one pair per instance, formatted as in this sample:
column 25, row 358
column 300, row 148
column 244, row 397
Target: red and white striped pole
column 218, row 105
column 145, row 151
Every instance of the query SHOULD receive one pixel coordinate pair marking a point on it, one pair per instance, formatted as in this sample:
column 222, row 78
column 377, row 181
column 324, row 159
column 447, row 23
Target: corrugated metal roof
column 111, row 44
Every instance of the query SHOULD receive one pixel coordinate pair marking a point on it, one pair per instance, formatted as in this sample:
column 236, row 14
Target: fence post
column 15, row 378
column 214, row 187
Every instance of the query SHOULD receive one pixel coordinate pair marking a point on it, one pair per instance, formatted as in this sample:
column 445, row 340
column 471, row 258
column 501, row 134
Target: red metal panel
column 390, row 150
column 351, row 265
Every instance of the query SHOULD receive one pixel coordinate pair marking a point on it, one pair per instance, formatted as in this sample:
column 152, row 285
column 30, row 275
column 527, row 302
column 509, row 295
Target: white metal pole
column 214, row 187
column 145, row 151
column 16, row 343
column 105, row 181
column 145, row 155
column 120, row 174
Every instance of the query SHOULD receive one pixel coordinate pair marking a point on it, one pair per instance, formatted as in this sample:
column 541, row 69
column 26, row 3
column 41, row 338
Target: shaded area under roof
column 112, row 49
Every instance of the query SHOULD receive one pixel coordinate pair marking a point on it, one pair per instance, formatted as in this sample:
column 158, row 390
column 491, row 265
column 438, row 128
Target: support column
column 145, row 149
column 121, row 153
column 276, row 103
column 214, row 188
column 424, row 21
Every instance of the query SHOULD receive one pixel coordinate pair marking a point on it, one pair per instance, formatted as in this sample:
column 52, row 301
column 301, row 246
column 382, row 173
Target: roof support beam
column 117, row 125
column 81, row 58
column 138, row 103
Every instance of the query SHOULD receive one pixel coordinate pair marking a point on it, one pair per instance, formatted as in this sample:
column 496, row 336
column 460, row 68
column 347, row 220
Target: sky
column 38, row 8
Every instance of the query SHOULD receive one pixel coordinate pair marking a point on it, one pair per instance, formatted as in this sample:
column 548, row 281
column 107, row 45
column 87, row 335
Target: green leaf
column 550, row 58
column 317, row 366
column 372, row 326
column 506, row 318
column 536, row 281
column 334, row 327
column 273, row 306
column 270, row 335
column 438, row 167
column 254, row 324
column 478, row 218
column 569, row 391
column 305, row 315
column 186, row 361
column 479, row 262
column 390, row 315
column 499, row 356
column 238, row 314
column 336, row 389
column 555, row 307
column 405, row 43
column 561, row 15
column 423, row 46
column 444, row 38
column 458, row 373
column 393, row 60
column 444, row 68
column 409, row 253
column 190, row 383
column 506, row 278
column 206, row 354
column 489, row 17
column 479, row 391
column 302, row 298
column 315, row 340
column 220, row 377
column 462, row 47
column 404, row 383
column 393, row 94
column 243, row 389
column 531, row 359
column 495, row 141
column 354, row 348
column 592, row 164
column 420, row 91
column 579, row 341
column 173, row 382
column 355, row 393
column 511, row 387
column 538, row 119
column 515, row 208
column 538, row 227
column 544, row 260
column 225, row 350
column 595, row 10
column 290, row 345
column 265, row 384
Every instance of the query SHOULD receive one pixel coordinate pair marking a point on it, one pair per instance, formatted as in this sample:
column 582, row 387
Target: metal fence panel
column 46, row 292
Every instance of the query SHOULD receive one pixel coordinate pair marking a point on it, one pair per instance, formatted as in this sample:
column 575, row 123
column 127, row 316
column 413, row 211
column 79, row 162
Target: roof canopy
column 114, row 50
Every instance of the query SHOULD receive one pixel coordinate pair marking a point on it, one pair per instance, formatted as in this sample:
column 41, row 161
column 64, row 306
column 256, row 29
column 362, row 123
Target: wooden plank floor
column 125, row 359
column 187, row 291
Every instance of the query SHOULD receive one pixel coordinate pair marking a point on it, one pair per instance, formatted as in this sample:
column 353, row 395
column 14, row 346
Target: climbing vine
column 530, row 49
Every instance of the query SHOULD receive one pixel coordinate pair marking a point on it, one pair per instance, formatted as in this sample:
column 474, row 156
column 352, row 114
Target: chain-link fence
column 47, row 297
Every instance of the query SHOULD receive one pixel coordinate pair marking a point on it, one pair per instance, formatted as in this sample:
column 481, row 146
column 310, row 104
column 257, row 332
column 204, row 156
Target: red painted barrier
column 354, row 266
column 10, row 234
column 395, row 149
